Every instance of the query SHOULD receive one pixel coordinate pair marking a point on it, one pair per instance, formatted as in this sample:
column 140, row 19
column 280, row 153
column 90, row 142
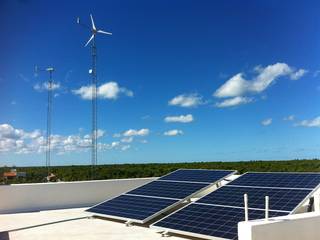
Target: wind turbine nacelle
column 90, row 71
column 78, row 20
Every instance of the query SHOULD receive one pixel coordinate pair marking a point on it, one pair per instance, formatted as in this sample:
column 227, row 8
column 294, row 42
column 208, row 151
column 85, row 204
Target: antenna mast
column 49, row 118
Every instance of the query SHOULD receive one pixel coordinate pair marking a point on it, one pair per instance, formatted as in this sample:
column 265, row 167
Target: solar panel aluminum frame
column 191, row 234
column 180, row 201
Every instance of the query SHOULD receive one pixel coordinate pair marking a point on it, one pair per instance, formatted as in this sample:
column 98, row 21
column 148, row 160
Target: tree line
column 118, row 171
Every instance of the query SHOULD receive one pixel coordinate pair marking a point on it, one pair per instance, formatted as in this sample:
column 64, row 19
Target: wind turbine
column 93, row 72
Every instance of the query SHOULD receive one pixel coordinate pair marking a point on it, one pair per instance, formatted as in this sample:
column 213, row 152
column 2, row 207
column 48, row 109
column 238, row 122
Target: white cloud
column 186, row 100
column 100, row 133
column 115, row 144
column 267, row 122
column 235, row 101
column 116, row 135
column 85, row 92
column 239, row 86
column 22, row 142
column 145, row 117
column 289, row 118
column 45, row 86
column 109, row 90
column 125, row 147
column 181, row 119
column 173, row 132
column 134, row 132
column 235, row 86
column 298, row 74
column 7, row 131
column 127, row 139
column 17, row 140
column 310, row 123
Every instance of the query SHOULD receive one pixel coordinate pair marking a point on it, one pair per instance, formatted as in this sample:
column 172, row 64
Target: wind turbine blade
column 93, row 26
column 103, row 32
column 89, row 40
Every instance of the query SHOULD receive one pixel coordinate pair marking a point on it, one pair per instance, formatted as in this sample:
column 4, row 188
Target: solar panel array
column 218, row 213
column 151, row 199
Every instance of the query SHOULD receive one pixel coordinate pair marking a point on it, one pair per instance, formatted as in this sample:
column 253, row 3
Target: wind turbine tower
column 94, row 80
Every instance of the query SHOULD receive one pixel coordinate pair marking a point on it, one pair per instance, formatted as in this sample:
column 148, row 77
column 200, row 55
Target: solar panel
column 279, row 199
column 285, row 180
column 132, row 207
column 179, row 190
column 197, row 175
column 207, row 221
column 149, row 200
column 218, row 213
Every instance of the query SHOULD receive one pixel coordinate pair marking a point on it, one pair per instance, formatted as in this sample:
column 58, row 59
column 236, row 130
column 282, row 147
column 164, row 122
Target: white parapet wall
column 304, row 226
column 46, row 196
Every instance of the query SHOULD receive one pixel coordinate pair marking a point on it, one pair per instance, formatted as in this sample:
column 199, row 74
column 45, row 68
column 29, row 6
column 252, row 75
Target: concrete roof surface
column 70, row 224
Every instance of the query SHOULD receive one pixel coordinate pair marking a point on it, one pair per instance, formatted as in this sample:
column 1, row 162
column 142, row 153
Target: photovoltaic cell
column 132, row 207
column 179, row 190
column 197, row 175
column 284, row 180
column 279, row 199
column 205, row 220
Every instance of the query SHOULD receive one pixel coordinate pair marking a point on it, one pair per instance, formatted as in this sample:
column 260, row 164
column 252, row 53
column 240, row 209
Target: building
column 12, row 174
column 57, row 211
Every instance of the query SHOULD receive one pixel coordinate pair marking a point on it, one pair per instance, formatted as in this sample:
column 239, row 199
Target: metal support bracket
column 128, row 223
column 165, row 234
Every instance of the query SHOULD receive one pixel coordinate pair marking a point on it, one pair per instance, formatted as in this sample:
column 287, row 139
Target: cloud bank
column 20, row 141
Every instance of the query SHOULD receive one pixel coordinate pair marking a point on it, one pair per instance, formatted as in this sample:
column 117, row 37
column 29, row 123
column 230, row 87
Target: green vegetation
column 80, row 173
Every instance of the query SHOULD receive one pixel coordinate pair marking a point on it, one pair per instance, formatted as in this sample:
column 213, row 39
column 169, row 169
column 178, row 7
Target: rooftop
column 69, row 224
column 57, row 211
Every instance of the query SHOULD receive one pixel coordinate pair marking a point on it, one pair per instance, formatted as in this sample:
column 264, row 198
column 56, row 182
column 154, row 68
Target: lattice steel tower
column 50, row 89
column 94, row 85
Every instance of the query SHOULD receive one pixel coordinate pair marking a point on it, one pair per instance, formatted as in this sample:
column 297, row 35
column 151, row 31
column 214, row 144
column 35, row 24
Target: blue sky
column 179, row 80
